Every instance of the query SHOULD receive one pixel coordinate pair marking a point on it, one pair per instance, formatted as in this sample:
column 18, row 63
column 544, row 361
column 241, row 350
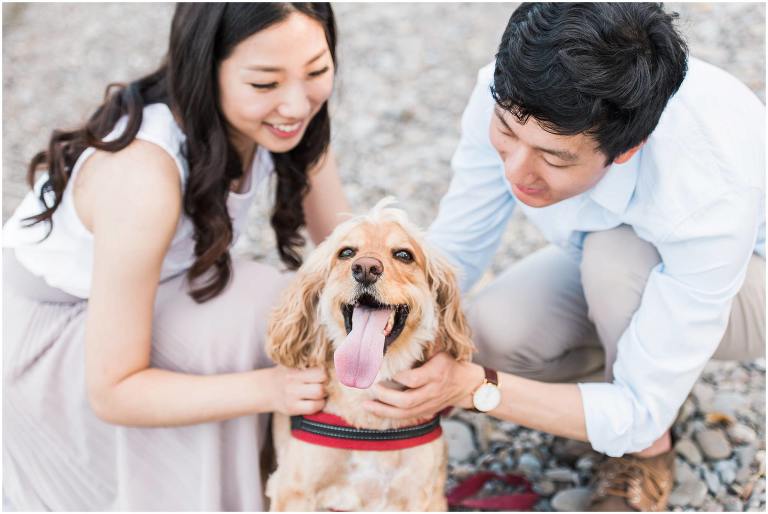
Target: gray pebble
column 461, row 443
column 746, row 455
column 744, row 474
column 562, row 475
column 713, row 443
column 741, row 434
column 733, row 504
column 727, row 471
column 529, row 465
column 689, row 451
column 713, row 481
column 571, row 500
column 544, row 487
column 683, row 472
column 728, row 402
column 689, row 493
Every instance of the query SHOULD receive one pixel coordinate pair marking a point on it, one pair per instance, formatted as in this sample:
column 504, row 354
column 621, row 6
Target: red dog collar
column 330, row 430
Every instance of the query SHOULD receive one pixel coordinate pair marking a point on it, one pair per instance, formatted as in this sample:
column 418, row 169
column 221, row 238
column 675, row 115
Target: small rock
column 689, row 451
column 760, row 456
column 733, row 504
column 711, row 505
column 728, row 402
column 683, row 472
column 686, row 411
column 746, row 455
column 570, row 450
column 713, row 481
column 571, row 500
column 461, row 443
column 714, row 444
column 529, row 465
column 704, row 393
column 741, row 434
column 743, row 474
column 544, row 488
column 585, row 463
column 562, row 475
column 689, row 493
column 727, row 471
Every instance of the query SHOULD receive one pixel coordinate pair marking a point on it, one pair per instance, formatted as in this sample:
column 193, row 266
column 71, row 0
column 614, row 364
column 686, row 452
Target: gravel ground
column 402, row 86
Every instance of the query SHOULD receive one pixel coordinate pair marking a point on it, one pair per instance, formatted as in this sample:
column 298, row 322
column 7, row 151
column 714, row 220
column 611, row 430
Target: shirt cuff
column 609, row 418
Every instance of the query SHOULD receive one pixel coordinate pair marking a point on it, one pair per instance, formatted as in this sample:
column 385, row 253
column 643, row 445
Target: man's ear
column 624, row 157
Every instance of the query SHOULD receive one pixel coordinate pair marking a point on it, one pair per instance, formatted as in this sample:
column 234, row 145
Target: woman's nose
column 295, row 103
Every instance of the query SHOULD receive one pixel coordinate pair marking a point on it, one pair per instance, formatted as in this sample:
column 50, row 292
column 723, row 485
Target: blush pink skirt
column 57, row 455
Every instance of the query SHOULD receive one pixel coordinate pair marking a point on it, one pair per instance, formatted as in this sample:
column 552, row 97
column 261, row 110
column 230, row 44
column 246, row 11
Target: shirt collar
column 615, row 189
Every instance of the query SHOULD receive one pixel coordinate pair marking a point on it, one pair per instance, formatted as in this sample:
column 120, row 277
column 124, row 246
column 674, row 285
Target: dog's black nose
column 367, row 270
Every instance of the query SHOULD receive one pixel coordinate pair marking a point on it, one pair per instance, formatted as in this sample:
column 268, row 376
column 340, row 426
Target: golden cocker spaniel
column 370, row 301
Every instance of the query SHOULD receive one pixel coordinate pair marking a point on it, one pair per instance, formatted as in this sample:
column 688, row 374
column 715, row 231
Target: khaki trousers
column 552, row 319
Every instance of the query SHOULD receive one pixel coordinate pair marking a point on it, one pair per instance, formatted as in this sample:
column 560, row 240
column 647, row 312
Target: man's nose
column 517, row 167
column 367, row 270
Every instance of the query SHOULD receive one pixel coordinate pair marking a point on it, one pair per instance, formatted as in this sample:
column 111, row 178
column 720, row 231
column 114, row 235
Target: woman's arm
column 442, row 382
column 132, row 201
column 325, row 201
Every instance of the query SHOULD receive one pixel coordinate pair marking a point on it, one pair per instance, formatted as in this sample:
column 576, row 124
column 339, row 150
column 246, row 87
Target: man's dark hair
column 603, row 69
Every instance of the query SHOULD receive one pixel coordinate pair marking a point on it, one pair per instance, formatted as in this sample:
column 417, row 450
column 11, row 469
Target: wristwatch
column 488, row 396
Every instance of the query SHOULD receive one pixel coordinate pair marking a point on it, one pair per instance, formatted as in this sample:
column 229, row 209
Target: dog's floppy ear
column 294, row 336
column 453, row 334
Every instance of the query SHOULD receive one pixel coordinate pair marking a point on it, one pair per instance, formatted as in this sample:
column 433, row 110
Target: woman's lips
column 284, row 131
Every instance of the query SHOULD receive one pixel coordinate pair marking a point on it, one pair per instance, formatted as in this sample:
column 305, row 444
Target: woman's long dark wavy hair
column 202, row 35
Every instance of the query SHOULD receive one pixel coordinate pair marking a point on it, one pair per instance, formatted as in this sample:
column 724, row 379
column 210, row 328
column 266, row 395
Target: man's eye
column 271, row 85
column 403, row 255
column 346, row 253
column 556, row 165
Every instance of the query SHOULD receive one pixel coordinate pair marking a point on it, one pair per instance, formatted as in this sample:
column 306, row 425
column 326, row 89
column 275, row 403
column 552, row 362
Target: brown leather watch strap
column 491, row 376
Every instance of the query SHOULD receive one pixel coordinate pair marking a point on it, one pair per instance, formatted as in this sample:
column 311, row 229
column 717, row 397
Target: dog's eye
column 346, row 253
column 403, row 255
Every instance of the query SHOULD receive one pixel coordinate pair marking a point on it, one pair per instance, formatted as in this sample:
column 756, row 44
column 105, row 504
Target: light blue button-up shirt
column 696, row 191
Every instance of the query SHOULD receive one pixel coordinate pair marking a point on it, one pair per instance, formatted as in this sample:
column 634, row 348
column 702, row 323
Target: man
column 645, row 170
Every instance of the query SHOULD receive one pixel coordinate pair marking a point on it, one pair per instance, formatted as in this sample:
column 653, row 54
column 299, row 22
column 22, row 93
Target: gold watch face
column 487, row 397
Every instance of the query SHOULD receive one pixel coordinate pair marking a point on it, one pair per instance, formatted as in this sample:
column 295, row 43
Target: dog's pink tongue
column 359, row 357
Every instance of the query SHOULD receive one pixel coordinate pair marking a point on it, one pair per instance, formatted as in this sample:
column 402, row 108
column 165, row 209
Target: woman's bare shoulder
column 140, row 176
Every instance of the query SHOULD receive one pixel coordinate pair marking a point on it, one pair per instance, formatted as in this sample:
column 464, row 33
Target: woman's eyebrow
column 273, row 69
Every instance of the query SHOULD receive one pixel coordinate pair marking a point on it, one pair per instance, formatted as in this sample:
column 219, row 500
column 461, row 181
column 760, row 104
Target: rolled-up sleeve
column 478, row 205
column 681, row 320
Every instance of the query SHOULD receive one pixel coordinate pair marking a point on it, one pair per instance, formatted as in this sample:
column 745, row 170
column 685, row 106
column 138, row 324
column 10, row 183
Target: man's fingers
column 387, row 411
column 402, row 399
column 414, row 378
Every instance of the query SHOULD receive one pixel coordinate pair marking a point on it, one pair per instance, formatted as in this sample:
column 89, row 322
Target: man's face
column 544, row 168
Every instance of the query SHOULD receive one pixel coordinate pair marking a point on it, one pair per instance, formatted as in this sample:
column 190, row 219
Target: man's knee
column 614, row 271
column 506, row 337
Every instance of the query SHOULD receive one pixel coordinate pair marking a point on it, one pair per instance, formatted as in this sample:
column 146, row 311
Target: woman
column 134, row 370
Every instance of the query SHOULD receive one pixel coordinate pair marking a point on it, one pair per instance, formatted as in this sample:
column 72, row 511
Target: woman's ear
column 453, row 334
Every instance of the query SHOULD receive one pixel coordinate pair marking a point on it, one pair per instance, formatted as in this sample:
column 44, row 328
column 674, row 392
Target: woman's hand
column 439, row 383
column 298, row 391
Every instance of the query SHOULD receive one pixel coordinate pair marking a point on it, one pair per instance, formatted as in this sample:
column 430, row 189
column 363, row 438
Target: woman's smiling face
column 274, row 82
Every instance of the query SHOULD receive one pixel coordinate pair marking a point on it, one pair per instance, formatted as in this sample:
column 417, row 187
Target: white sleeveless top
column 65, row 259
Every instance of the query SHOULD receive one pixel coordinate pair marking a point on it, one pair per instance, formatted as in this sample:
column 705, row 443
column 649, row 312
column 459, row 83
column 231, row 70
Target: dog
column 370, row 301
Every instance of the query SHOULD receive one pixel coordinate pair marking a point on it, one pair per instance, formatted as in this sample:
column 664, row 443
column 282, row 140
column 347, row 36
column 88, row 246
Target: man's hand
column 439, row 383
